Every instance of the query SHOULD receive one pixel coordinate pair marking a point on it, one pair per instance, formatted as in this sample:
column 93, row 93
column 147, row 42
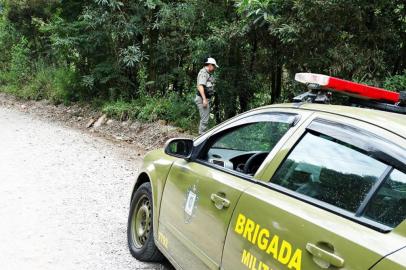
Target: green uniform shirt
column 207, row 80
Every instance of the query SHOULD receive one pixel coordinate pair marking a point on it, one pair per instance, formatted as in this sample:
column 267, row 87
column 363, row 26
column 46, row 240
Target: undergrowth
column 178, row 111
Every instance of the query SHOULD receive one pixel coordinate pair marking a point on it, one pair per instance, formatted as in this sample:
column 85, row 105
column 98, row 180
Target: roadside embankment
column 145, row 136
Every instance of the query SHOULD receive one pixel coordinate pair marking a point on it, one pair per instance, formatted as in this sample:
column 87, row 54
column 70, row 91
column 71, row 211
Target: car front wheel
column 140, row 227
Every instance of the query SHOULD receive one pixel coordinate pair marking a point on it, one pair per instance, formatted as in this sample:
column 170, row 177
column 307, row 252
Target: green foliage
column 396, row 83
column 20, row 68
column 56, row 85
column 146, row 54
column 65, row 87
column 171, row 108
column 357, row 40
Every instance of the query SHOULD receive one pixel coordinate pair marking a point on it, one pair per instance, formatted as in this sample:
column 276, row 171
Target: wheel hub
column 141, row 222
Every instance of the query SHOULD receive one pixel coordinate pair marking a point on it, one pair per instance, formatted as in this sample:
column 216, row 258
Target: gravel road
column 64, row 197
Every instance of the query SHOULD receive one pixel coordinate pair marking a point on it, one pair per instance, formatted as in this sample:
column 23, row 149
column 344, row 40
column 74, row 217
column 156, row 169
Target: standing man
column 205, row 90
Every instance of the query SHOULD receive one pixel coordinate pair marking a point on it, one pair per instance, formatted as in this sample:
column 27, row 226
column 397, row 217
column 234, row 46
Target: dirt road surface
column 64, row 197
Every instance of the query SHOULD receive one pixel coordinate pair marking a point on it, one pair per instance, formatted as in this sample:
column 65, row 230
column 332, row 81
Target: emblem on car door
column 190, row 205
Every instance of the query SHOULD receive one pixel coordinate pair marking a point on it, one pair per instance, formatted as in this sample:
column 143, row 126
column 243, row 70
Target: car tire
column 140, row 234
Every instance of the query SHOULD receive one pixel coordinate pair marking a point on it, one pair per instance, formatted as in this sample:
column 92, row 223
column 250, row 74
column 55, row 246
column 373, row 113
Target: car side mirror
column 179, row 147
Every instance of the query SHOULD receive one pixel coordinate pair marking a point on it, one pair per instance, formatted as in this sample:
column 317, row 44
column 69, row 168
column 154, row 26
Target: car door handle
column 220, row 201
column 325, row 256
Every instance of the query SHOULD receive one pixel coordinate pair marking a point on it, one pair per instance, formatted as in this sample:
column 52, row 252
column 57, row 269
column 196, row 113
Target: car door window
column 329, row 170
column 388, row 206
column 245, row 147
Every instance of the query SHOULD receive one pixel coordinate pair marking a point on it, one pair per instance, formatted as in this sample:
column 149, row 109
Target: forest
column 138, row 59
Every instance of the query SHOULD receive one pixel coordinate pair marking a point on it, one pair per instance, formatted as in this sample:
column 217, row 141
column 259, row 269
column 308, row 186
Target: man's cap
column 212, row 61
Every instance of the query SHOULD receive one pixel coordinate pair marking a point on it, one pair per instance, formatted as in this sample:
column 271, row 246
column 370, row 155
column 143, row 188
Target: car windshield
column 243, row 148
column 260, row 136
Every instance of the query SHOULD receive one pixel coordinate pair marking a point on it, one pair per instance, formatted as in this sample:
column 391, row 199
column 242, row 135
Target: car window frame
column 261, row 116
column 372, row 194
column 391, row 156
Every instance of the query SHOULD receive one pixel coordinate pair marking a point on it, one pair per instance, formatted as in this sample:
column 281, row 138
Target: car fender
column 154, row 169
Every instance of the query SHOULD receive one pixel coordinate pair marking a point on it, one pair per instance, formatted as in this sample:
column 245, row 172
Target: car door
column 200, row 195
column 394, row 261
column 335, row 201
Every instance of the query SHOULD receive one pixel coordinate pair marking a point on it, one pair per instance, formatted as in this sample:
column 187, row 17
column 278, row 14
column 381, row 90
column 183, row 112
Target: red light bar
column 348, row 87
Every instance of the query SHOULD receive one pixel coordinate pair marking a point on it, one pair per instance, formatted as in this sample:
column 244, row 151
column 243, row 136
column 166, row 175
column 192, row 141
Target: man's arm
column 203, row 95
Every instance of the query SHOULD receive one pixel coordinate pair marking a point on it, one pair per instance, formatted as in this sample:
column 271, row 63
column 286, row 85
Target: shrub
column 65, row 82
column 121, row 110
column 179, row 111
column 20, row 68
column 396, row 83
column 17, row 70
column 46, row 82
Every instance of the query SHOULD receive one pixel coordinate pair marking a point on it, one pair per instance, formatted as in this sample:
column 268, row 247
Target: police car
column 291, row 186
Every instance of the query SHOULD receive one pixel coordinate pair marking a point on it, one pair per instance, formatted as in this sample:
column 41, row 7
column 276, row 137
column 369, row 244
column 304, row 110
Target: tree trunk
column 276, row 87
column 245, row 94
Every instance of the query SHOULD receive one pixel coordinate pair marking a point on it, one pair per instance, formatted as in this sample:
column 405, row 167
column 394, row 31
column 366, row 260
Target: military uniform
column 207, row 80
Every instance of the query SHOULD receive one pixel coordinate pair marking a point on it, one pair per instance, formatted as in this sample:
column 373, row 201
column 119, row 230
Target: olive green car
column 287, row 186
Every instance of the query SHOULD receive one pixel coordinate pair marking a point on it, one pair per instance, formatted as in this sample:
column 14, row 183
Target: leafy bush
column 38, row 86
column 121, row 110
column 20, row 68
column 179, row 111
column 396, row 83
column 55, row 84
column 65, row 86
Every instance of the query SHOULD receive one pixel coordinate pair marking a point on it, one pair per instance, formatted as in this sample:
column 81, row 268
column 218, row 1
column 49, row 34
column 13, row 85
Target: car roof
column 393, row 122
